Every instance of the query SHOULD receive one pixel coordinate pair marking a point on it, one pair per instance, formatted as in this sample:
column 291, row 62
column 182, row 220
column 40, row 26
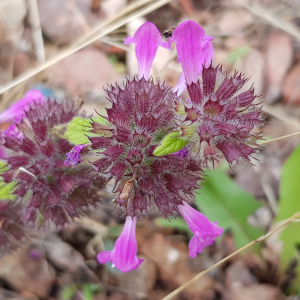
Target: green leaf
column 87, row 292
column 170, row 144
column 78, row 127
column 177, row 223
column 68, row 292
column 289, row 203
column 221, row 199
column 6, row 189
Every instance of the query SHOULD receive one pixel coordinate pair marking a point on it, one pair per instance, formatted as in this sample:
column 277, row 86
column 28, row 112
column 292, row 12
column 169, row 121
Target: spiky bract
column 48, row 188
column 142, row 113
column 221, row 120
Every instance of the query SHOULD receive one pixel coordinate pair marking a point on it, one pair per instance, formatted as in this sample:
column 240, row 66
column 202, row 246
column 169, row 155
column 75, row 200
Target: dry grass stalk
column 65, row 53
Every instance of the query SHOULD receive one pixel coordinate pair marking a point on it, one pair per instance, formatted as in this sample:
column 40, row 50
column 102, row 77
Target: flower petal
column 147, row 39
column 188, row 37
column 17, row 111
column 104, row 257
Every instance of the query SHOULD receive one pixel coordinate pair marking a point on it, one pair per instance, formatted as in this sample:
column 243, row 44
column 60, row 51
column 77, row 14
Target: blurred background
column 72, row 49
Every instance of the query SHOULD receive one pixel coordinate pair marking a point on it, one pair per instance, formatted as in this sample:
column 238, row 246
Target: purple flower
column 184, row 152
column 74, row 156
column 123, row 256
column 17, row 111
column 204, row 231
column 207, row 52
column 13, row 131
column 36, row 162
column 146, row 39
column 141, row 114
column 188, row 37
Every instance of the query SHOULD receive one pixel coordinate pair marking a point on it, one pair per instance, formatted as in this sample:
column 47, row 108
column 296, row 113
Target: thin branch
column 263, row 237
column 65, row 53
column 279, row 138
column 271, row 18
column 37, row 36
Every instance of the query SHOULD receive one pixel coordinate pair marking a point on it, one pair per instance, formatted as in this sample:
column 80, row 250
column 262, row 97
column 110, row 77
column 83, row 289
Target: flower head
column 204, row 231
column 123, row 256
column 142, row 113
column 221, row 121
column 53, row 190
column 17, row 111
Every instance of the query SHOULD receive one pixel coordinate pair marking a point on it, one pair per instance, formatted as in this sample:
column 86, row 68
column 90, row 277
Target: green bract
column 78, row 128
column 170, row 144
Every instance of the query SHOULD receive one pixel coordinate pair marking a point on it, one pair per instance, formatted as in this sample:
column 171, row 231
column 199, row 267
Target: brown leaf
column 256, row 291
column 279, row 59
column 27, row 271
column 291, row 86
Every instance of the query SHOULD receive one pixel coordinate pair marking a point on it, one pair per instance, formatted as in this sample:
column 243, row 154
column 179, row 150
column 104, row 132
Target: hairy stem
column 261, row 238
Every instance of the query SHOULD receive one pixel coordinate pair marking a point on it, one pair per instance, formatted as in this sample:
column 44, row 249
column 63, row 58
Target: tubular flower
column 17, row 111
column 204, row 231
column 221, row 120
column 123, row 255
column 52, row 190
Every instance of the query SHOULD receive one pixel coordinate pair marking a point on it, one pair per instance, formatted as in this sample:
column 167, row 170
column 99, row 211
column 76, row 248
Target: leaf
column 68, row 292
column 6, row 189
column 221, row 199
column 289, row 203
column 177, row 223
column 170, row 144
column 78, row 129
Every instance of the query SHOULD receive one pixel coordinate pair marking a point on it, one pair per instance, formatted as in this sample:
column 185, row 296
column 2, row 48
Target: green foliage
column 289, row 204
column 68, row 292
column 221, row 199
column 78, row 130
column 237, row 53
column 177, row 223
column 6, row 188
column 170, row 144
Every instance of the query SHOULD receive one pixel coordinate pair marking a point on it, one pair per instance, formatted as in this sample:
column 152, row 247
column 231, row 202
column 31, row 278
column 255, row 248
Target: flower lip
column 147, row 39
column 16, row 112
column 188, row 37
column 204, row 231
column 123, row 256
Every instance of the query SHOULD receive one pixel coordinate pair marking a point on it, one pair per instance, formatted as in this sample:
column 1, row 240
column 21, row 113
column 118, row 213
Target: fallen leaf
column 291, row 86
column 279, row 59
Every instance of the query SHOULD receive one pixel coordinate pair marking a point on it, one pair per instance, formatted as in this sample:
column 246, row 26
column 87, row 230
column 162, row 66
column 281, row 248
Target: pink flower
column 147, row 39
column 123, row 256
column 13, row 131
column 74, row 156
column 205, row 58
column 204, row 231
column 16, row 112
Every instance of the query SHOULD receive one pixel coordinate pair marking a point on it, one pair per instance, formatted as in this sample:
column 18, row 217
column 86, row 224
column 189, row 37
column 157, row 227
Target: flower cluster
column 34, row 152
column 221, row 117
column 209, row 112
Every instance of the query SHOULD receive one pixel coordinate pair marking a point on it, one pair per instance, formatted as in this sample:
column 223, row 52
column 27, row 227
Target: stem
column 261, row 238
column 279, row 138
